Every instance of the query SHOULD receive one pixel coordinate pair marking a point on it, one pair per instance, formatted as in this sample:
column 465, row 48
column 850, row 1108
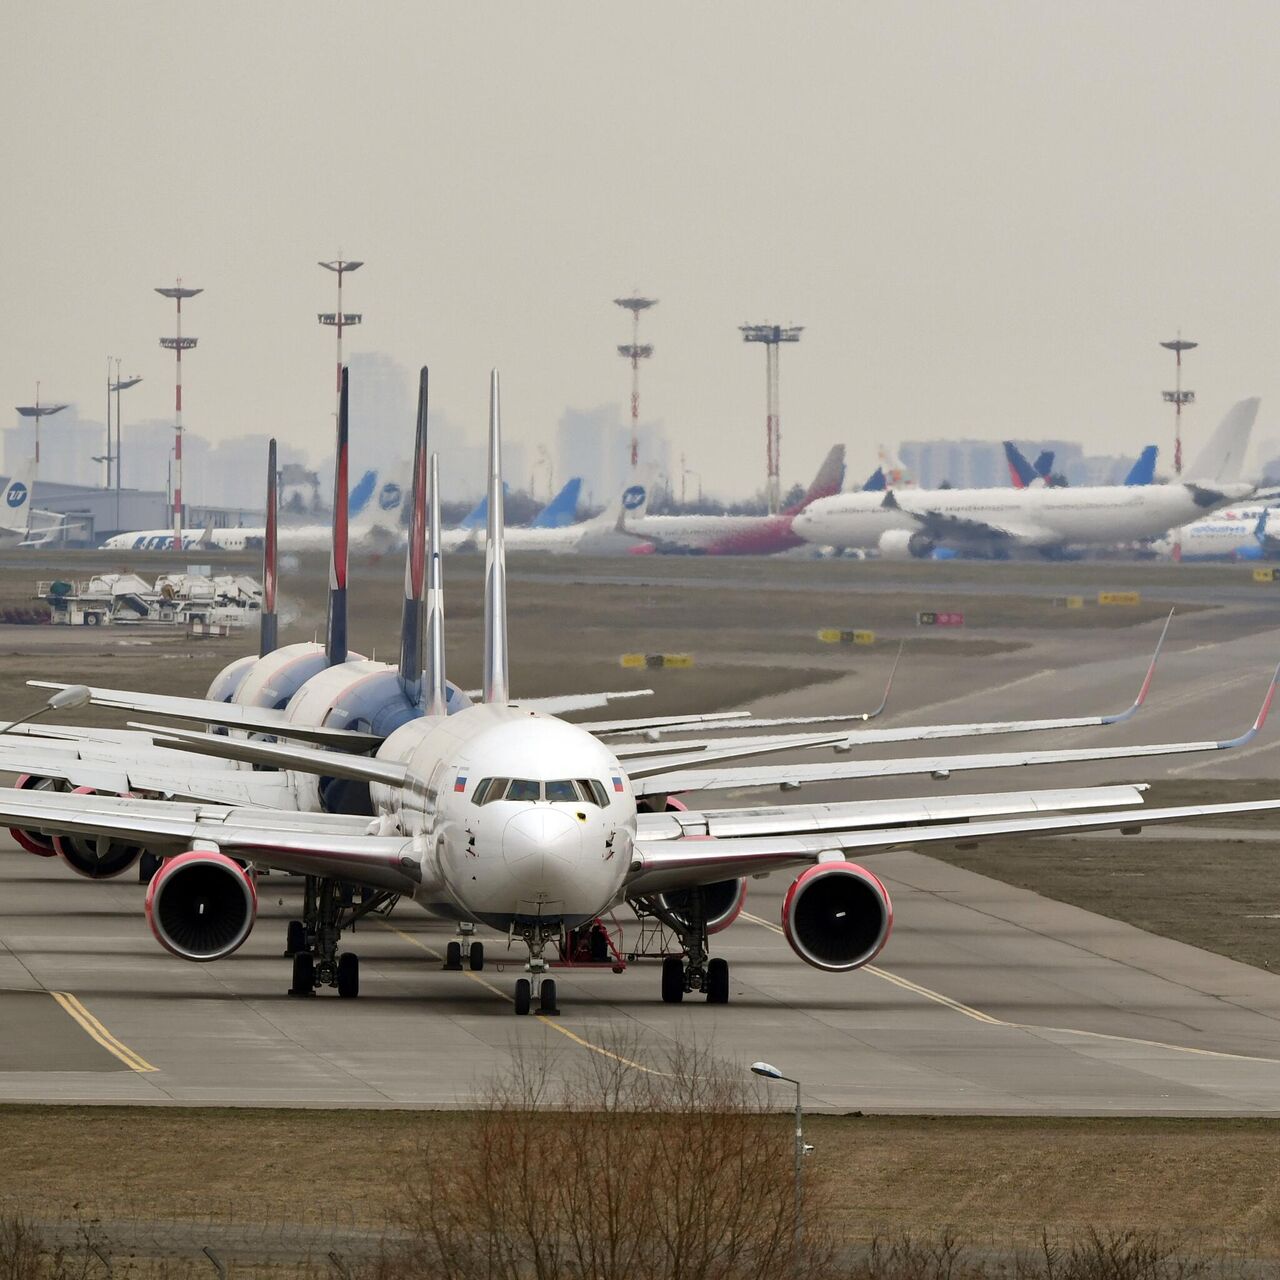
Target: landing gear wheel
column 672, row 980
column 524, row 996
column 348, row 975
column 295, row 938
column 304, row 974
column 453, row 956
column 148, row 865
column 547, row 998
column 475, row 957
column 717, row 982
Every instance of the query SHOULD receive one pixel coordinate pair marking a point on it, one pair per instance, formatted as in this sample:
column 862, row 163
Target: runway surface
column 988, row 999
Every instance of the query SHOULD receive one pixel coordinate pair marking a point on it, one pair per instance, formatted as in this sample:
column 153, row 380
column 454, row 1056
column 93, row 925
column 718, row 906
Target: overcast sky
column 985, row 214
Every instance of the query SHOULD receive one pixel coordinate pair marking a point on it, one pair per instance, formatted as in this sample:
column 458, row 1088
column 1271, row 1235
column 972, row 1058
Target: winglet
column 335, row 640
column 1252, row 733
column 268, row 622
column 1132, row 710
column 436, row 693
column 884, row 702
column 496, row 682
column 415, row 559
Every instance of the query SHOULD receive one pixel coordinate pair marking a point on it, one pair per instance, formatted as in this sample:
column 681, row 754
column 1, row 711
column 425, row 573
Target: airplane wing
column 853, row 815
column 309, row 844
column 943, row 525
column 660, row 866
column 791, row 777
column 561, row 703
column 227, row 714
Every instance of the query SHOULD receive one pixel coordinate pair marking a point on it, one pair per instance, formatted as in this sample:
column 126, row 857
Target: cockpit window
column 489, row 790
column 597, row 790
column 567, row 791
column 563, row 792
column 522, row 789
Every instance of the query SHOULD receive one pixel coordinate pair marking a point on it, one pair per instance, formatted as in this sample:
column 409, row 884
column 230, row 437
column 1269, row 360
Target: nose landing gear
column 536, row 937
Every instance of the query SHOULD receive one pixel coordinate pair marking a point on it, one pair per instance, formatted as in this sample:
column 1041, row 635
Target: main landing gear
column 329, row 907
column 468, row 946
column 692, row 970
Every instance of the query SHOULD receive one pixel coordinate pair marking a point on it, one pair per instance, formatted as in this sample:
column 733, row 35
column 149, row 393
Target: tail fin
column 335, row 639
column 436, row 692
column 414, row 559
column 268, row 623
column 1144, row 470
column 1043, row 465
column 828, row 481
column 630, row 504
column 561, row 510
column 875, row 482
column 1222, row 459
column 15, row 509
column 1020, row 470
column 362, row 492
column 496, row 682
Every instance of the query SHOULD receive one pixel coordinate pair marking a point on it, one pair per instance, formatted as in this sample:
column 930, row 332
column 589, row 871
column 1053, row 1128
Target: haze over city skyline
column 985, row 215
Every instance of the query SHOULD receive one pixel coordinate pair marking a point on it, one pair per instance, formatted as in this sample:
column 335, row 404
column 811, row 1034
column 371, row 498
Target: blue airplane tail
column 1020, row 470
column 361, row 493
column 875, row 482
column 479, row 514
column 1144, row 470
column 1043, row 465
column 562, row 509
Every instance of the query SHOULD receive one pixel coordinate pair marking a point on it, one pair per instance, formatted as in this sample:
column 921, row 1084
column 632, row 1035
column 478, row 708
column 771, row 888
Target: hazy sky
column 985, row 214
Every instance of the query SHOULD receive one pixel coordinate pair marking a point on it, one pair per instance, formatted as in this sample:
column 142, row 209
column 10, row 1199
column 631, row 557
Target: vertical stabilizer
column 435, row 691
column 335, row 639
column 496, row 682
column 15, row 509
column 267, row 623
column 415, row 558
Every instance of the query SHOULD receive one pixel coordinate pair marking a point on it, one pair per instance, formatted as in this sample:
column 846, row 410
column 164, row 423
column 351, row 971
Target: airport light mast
column 178, row 345
column 119, row 385
column 1178, row 397
column 340, row 319
column 635, row 351
column 36, row 411
column 772, row 335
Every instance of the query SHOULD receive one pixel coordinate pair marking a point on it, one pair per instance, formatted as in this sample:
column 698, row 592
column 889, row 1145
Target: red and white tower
column 178, row 344
column 635, row 351
column 340, row 319
column 771, row 335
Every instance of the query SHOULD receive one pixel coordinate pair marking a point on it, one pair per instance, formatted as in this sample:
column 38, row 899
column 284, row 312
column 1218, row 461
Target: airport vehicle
column 1048, row 522
column 173, row 599
column 506, row 816
column 734, row 535
column 300, row 537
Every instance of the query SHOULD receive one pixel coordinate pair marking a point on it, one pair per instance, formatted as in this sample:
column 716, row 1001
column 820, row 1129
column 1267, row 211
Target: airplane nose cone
column 544, row 834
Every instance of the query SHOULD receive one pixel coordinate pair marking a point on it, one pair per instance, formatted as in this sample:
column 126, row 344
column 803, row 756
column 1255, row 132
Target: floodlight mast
column 1178, row 397
column 119, row 385
column 772, row 335
column 635, row 351
column 340, row 319
column 178, row 345
column 36, row 411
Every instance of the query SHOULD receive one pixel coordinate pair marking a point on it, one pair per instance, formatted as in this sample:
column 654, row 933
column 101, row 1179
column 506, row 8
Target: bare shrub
column 605, row 1170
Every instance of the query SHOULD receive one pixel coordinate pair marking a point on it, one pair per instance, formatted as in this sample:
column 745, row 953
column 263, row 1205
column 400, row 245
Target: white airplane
column 512, row 818
column 297, row 537
column 1237, row 533
column 21, row 524
column 602, row 535
column 1049, row 521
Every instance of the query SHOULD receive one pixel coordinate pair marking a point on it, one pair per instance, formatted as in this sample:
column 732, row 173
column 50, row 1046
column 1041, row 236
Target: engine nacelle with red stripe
column 96, row 857
column 837, row 916
column 34, row 841
column 201, row 905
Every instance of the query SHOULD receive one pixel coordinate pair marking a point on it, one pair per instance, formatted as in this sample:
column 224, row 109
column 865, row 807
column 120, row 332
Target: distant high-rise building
column 596, row 445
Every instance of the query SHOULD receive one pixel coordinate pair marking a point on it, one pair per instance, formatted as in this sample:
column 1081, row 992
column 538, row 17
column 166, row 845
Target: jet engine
column 903, row 544
column 97, row 857
column 722, row 903
column 201, row 905
column 837, row 916
column 35, row 841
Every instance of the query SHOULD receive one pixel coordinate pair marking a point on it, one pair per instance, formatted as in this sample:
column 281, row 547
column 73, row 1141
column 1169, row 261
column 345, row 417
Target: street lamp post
column 119, row 385
column 770, row 1072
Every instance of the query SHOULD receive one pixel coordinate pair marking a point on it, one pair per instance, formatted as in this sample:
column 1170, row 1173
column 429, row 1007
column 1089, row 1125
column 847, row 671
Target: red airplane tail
column 829, row 480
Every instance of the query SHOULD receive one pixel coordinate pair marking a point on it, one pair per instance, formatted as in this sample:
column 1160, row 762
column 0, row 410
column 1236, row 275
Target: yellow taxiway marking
column 96, row 1031
column 502, row 995
column 978, row 1016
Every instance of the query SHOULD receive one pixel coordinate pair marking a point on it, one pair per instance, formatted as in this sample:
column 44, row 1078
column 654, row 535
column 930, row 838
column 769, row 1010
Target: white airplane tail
column 1222, row 458
column 497, row 686
column 15, row 503
column 630, row 504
